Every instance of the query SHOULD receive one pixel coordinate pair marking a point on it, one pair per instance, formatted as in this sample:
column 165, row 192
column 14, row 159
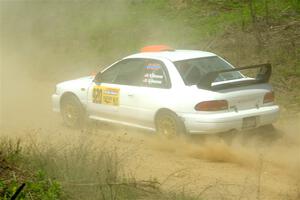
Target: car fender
column 78, row 88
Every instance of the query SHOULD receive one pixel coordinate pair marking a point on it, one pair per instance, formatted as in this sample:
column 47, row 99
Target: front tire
column 169, row 125
column 72, row 112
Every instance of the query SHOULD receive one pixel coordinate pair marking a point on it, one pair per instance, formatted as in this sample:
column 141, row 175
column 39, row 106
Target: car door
column 150, row 91
column 111, row 88
column 99, row 106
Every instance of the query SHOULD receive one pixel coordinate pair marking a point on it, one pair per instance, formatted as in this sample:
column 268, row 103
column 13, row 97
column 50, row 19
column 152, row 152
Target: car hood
column 83, row 82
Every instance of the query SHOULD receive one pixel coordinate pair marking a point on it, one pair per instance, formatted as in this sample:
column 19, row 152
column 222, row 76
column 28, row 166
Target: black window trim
column 164, row 68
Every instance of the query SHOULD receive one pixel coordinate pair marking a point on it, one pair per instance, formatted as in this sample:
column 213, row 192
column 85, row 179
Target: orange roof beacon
column 156, row 48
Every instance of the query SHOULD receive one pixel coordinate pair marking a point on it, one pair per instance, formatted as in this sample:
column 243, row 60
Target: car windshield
column 193, row 70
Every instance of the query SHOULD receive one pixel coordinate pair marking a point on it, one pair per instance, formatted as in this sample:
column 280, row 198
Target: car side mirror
column 97, row 78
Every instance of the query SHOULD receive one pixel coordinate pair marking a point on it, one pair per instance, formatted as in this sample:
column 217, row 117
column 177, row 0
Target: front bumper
column 197, row 123
column 56, row 103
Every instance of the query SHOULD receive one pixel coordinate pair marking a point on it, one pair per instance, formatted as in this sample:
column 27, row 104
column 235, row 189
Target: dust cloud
column 41, row 45
column 232, row 163
column 280, row 147
column 46, row 42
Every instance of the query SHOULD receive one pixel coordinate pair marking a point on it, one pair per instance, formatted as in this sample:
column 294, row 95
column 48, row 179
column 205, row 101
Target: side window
column 155, row 74
column 130, row 72
column 109, row 75
column 125, row 72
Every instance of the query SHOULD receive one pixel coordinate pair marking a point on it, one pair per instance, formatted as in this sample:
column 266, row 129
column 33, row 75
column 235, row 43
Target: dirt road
column 257, row 166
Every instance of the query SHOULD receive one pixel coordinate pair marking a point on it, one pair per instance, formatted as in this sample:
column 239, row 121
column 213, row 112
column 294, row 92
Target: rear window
column 193, row 70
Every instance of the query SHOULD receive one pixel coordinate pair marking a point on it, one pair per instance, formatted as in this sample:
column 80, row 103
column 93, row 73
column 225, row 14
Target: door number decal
column 106, row 95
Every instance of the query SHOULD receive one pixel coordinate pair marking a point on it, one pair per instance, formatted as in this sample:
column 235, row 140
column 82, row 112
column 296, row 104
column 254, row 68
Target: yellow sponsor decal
column 106, row 95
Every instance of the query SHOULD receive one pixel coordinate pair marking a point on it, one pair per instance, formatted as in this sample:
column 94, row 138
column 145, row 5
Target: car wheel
column 169, row 125
column 72, row 112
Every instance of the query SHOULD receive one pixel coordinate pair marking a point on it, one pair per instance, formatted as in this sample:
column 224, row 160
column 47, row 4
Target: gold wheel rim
column 167, row 126
column 70, row 114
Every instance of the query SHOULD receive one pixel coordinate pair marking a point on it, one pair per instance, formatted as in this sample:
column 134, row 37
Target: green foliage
column 40, row 187
column 10, row 149
column 80, row 35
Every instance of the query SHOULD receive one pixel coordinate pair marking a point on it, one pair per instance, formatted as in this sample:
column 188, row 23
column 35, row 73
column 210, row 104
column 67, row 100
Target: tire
column 72, row 112
column 169, row 125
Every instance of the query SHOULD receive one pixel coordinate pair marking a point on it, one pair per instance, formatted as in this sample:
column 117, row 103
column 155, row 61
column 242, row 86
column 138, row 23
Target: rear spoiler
column 262, row 76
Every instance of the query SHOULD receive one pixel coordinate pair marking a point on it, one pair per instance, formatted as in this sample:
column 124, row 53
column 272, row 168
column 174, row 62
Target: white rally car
column 171, row 92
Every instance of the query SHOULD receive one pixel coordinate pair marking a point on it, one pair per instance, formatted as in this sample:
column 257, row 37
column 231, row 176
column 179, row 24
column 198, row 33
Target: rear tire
column 72, row 112
column 169, row 125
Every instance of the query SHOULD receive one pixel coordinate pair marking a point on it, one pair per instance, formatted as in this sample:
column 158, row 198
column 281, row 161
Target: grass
column 38, row 187
column 37, row 184
column 79, row 171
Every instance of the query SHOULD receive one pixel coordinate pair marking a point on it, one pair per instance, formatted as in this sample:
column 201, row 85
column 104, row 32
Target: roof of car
column 173, row 56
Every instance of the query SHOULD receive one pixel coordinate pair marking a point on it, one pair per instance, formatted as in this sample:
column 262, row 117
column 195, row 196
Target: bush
column 36, row 185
